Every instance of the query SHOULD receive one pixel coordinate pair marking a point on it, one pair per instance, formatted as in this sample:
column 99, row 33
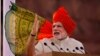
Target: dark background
column 86, row 13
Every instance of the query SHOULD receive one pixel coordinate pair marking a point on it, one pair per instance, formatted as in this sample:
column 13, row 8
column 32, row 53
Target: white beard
column 60, row 37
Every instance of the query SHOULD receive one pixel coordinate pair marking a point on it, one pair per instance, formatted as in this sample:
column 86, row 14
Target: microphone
column 52, row 43
column 68, row 50
column 79, row 49
column 48, row 46
column 55, row 46
column 85, row 50
column 74, row 51
column 62, row 49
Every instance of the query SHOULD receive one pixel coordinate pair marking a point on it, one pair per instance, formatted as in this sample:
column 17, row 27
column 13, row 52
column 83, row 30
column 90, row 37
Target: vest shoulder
column 75, row 41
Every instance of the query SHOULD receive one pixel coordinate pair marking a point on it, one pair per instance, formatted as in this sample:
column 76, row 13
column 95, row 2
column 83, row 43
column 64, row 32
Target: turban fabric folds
column 61, row 15
column 45, row 31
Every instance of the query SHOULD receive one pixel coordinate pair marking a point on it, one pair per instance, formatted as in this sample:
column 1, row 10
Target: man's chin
column 58, row 37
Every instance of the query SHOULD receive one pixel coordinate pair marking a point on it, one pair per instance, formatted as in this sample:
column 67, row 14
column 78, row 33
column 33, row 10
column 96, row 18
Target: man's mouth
column 56, row 33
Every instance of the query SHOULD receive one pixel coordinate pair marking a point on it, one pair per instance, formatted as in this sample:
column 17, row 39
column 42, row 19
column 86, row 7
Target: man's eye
column 53, row 26
column 58, row 26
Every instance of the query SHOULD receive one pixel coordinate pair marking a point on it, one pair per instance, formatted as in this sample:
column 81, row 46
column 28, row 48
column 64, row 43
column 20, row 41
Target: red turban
column 45, row 30
column 61, row 15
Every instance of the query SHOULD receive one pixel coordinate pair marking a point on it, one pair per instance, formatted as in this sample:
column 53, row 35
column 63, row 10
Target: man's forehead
column 57, row 23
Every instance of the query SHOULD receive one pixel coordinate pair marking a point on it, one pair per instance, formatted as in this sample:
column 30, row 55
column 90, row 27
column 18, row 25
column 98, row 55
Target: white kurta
column 67, row 45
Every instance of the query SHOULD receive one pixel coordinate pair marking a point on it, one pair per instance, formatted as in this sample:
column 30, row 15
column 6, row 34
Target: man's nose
column 55, row 28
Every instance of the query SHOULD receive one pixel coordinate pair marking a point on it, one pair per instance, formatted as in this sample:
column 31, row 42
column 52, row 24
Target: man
column 62, row 28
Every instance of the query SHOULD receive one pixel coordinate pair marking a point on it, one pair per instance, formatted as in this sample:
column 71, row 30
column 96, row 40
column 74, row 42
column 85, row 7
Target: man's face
column 58, row 31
